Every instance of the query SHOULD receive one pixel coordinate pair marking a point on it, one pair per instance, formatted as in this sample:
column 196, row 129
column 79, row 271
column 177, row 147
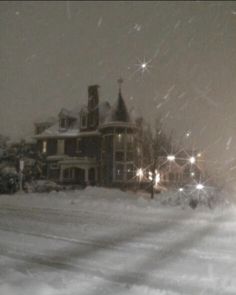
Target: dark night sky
column 51, row 51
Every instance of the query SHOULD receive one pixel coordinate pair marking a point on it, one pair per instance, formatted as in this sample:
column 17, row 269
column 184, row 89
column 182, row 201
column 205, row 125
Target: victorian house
column 95, row 144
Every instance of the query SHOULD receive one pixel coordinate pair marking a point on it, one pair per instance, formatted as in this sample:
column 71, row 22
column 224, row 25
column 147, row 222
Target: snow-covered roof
column 47, row 120
column 89, row 133
column 117, row 115
column 55, row 131
column 118, row 124
column 74, row 114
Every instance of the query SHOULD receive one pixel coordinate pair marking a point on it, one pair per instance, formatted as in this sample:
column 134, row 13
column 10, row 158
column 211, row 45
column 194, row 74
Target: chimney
column 93, row 109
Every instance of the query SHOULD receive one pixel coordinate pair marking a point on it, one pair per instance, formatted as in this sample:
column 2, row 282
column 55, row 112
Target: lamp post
column 21, row 173
column 153, row 178
column 171, row 158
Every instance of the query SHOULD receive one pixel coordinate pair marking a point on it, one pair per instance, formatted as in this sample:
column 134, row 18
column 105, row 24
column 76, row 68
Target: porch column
column 86, row 175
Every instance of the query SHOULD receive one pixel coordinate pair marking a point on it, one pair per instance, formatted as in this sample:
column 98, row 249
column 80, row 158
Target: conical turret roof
column 120, row 112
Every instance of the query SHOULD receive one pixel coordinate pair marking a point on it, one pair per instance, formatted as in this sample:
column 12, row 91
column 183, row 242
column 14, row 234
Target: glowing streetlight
column 199, row 186
column 199, row 155
column 171, row 158
column 188, row 134
column 144, row 65
column 192, row 174
column 192, row 160
column 181, row 189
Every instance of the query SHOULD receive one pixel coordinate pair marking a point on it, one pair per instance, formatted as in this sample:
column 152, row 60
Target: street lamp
column 199, row 186
column 192, row 160
column 171, row 158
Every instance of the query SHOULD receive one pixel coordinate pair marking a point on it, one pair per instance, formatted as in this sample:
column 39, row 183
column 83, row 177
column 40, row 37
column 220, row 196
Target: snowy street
column 101, row 241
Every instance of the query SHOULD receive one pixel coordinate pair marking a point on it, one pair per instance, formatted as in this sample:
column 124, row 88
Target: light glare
column 139, row 174
column 199, row 186
column 171, row 158
column 192, row 160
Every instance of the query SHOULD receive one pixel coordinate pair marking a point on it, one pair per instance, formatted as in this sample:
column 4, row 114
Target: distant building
column 96, row 144
column 185, row 168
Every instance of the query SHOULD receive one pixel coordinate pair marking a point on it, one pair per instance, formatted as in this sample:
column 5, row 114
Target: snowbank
column 121, row 199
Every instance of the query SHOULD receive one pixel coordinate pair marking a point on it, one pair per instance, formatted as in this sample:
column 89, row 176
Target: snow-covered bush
column 41, row 186
column 209, row 197
column 9, row 180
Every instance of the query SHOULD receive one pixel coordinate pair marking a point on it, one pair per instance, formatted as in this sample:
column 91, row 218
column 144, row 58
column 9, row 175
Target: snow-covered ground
column 104, row 241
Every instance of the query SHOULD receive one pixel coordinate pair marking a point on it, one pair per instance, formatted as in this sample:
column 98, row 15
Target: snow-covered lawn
column 103, row 241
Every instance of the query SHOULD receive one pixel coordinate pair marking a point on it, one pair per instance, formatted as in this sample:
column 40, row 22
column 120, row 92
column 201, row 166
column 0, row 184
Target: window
column 119, row 172
column 130, row 141
column 60, row 147
column 54, row 166
column 119, row 140
column 93, row 120
column 68, row 173
column 44, row 146
column 78, row 145
column 129, row 156
column 130, row 171
column 120, row 156
column 138, row 150
column 83, row 120
column 63, row 123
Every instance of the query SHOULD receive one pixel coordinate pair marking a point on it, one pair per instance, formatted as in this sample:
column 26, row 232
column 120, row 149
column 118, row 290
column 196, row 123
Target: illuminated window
column 119, row 140
column 130, row 141
column 44, row 146
column 138, row 150
column 119, row 171
column 130, row 171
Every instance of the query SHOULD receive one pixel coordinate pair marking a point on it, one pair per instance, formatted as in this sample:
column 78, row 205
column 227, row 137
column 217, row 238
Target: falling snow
column 178, row 64
column 100, row 22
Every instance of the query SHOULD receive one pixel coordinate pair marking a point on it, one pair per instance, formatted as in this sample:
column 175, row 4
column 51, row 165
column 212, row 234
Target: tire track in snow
column 163, row 282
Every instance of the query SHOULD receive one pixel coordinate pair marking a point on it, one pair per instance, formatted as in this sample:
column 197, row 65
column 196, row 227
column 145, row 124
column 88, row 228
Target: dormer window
column 83, row 121
column 63, row 123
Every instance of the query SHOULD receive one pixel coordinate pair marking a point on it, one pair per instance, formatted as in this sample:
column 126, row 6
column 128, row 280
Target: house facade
column 95, row 144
